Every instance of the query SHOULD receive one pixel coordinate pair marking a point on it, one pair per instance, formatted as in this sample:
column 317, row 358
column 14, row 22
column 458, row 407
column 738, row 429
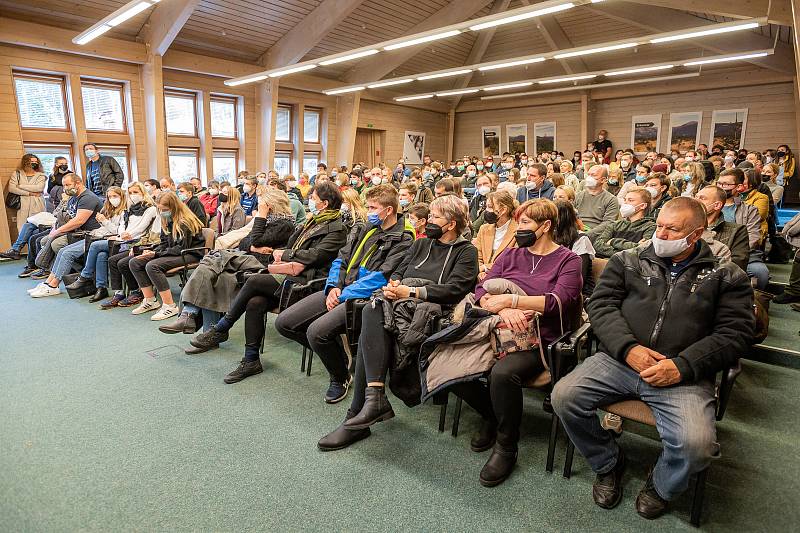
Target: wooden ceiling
column 245, row 30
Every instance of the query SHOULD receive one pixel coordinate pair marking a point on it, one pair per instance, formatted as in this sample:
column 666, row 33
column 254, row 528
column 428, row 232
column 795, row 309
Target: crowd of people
column 497, row 249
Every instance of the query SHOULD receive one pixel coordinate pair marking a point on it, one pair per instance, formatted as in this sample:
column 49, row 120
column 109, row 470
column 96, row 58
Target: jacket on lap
column 273, row 232
column 702, row 319
column 171, row 246
column 622, row 235
column 367, row 262
column 318, row 249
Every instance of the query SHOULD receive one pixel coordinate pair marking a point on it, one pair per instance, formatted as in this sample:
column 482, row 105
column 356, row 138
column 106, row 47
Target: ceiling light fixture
column 710, row 31
column 389, row 83
column 724, row 59
column 126, row 12
column 457, row 91
column 638, row 70
column 420, row 40
column 445, row 74
column 508, row 86
column 512, row 63
column 568, row 78
column 522, row 16
column 293, row 70
column 345, row 90
column 597, row 50
column 252, row 79
column 415, row 97
column 349, row 57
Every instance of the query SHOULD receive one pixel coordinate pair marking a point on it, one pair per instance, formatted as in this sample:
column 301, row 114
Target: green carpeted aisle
column 105, row 425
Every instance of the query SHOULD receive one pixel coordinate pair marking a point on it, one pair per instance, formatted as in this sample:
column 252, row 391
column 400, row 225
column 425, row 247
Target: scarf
column 323, row 217
column 135, row 210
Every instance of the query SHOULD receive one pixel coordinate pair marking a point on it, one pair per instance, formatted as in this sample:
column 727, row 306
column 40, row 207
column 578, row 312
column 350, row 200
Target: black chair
column 638, row 411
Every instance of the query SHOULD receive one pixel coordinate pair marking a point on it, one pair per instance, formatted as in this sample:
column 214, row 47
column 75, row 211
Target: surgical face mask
column 136, row 198
column 114, row 200
column 687, row 178
column 312, row 206
column 72, row 191
column 729, row 159
column 523, row 161
column 641, row 178
column 426, row 175
column 689, row 158
column 627, row 210
column 183, row 196
column 404, row 202
column 666, row 248
column 653, row 191
column 375, row 218
column 334, row 174
column 484, row 190
column 769, row 159
column 354, row 182
column 149, row 189
column 460, row 167
column 90, row 153
column 376, row 180
column 624, row 163
column 213, row 192
column 591, row 182
column 167, row 215
column 413, row 221
column 247, row 188
column 479, row 167
column 507, row 166
column 471, row 174
column 262, row 181
column 612, row 181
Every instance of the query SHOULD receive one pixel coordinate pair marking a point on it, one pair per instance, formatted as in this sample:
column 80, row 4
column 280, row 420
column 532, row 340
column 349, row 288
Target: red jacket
column 210, row 204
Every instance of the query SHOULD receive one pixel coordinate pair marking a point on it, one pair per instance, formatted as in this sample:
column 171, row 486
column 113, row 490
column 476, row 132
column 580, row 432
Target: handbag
column 13, row 200
column 291, row 268
column 761, row 301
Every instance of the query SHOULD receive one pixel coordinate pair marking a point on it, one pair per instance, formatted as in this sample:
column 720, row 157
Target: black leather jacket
column 703, row 318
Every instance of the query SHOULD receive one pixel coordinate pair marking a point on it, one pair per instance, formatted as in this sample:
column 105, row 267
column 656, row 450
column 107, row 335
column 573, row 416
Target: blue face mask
column 687, row 177
column 167, row 215
column 641, row 179
column 312, row 206
column 403, row 202
column 374, row 219
column 426, row 175
column 182, row 196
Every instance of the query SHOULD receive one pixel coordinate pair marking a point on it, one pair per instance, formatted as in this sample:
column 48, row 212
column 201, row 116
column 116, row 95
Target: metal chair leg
column 568, row 458
column 697, row 499
column 456, row 416
column 551, row 446
column 303, row 360
column 443, row 413
column 264, row 336
column 310, row 358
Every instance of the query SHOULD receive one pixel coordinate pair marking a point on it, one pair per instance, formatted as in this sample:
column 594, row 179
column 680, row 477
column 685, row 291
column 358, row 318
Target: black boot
column 485, row 437
column 498, row 467
column 342, row 437
column 100, row 294
column 209, row 339
column 186, row 323
column 376, row 409
column 607, row 488
column 80, row 283
column 649, row 504
column 245, row 369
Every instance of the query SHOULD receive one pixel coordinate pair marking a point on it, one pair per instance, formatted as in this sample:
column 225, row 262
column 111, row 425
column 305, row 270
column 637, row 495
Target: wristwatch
column 412, row 292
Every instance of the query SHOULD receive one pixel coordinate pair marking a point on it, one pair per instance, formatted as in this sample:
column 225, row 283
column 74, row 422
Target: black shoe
column 376, row 409
column 485, row 437
column 209, row 339
column 337, row 391
column 11, row 255
column 40, row 274
column 26, row 272
column 98, row 295
column 648, row 503
column 185, row 323
column 607, row 488
column 785, row 298
column 245, row 369
column 341, row 438
column 497, row 468
column 80, row 283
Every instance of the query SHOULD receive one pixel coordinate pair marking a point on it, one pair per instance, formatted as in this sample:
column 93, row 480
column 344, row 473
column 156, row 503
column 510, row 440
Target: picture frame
column 544, row 137
column 728, row 127
column 413, row 147
column 684, row 131
column 645, row 133
column 490, row 140
column 517, row 138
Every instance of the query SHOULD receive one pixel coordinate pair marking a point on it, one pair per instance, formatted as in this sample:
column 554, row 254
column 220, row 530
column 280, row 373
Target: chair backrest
column 209, row 235
column 597, row 267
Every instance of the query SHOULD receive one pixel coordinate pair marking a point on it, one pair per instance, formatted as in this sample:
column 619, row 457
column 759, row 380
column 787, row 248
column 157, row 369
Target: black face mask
column 63, row 168
column 35, row 166
column 490, row 217
column 433, row 231
column 765, row 178
column 729, row 193
column 223, row 198
column 781, row 154
column 525, row 238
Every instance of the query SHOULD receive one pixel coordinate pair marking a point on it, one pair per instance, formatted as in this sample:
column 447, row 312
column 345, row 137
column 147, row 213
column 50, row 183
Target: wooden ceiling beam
column 556, row 39
column 780, row 12
column 164, row 24
column 308, row 33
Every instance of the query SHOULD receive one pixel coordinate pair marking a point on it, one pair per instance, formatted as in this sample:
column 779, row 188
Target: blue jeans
column 209, row 317
column 684, row 413
column 65, row 259
column 758, row 270
column 25, row 233
column 96, row 265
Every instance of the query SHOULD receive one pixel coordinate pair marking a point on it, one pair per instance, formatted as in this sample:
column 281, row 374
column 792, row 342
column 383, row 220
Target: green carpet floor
column 106, row 425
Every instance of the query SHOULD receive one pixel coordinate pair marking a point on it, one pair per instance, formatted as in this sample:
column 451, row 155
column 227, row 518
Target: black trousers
column 119, row 267
column 311, row 324
column 259, row 294
column 501, row 401
column 374, row 354
column 34, row 245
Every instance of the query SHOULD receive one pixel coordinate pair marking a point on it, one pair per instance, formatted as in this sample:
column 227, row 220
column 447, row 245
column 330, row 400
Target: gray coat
column 213, row 283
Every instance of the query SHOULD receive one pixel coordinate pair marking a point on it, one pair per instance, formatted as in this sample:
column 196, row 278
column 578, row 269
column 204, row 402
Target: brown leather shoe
column 648, row 503
column 497, row 468
column 607, row 488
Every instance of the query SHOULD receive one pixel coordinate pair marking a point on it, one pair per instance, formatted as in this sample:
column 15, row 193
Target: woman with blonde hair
column 354, row 213
column 694, row 176
column 497, row 233
column 230, row 213
column 28, row 182
column 180, row 230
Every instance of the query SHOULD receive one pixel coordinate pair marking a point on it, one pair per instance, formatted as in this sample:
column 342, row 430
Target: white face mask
column 653, row 191
column 115, row 200
column 666, row 248
column 689, row 158
column 591, row 182
column 291, row 184
column 484, row 190
column 247, row 188
column 627, row 210
column 213, row 192
column 136, row 198
column 376, row 180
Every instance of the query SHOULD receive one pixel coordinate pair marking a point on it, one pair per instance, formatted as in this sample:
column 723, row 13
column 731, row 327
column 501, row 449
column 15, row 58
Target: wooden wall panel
column 397, row 119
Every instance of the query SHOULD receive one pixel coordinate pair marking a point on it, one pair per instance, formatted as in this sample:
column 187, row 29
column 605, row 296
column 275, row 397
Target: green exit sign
column 370, row 125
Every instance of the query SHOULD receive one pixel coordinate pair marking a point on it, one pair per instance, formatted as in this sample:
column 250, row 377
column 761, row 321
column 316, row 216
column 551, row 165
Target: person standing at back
column 102, row 171
column 28, row 182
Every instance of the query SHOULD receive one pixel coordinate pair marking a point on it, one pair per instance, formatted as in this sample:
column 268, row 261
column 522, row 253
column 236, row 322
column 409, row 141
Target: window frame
column 228, row 100
column 284, row 153
column 290, row 110
column 102, row 147
column 195, row 151
column 318, row 112
column 40, row 76
column 187, row 95
column 227, row 151
column 119, row 86
column 34, row 145
column 317, row 155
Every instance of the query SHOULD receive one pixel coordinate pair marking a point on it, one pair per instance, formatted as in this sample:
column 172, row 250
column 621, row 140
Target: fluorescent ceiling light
column 416, row 97
column 638, row 70
column 457, row 91
column 569, row 78
column 595, row 50
column 723, row 59
column 129, row 13
column 421, row 40
column 703, row 33
column 97, row 32
column 291, row 70
column 345, row 90
column 388, row 83
column 508, row 86
column 234, row 83
column 512, row 63
column 522, row 16
column 349, row 57
column 445, row 74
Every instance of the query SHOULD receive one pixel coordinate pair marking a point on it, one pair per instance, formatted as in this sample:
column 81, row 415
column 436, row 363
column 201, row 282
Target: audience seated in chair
column 186, row 192
column 633, row 229
column 569, row 235
column 496, row 234
column 732, row 235
column 662, row 350
column 596, row 205
column 230, row 214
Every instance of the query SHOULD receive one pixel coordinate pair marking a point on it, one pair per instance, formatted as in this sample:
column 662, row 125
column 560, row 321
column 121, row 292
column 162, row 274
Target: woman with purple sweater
column 547, row 274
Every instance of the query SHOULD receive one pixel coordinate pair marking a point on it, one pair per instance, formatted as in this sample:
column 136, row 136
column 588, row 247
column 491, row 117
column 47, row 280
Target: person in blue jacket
column 363, row 266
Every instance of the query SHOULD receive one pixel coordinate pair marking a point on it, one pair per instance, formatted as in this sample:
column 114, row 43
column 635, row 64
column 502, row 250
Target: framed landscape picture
column 517, row 138
column 544, row 137
column 645, row 133
column 491, row 140
column 727, row 128
column 684, row 131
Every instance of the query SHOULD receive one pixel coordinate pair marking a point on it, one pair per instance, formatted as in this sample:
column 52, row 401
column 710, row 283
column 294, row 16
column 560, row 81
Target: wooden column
column 155, row 123
column 585, row 125
column 206, row 144
column 266, row 113
column 796, row 43
column 347, row 107
column 79, row 122
column 298, row 133
column 451, row 133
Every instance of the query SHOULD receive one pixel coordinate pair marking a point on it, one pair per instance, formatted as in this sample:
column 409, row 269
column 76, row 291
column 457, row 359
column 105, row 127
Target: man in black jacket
column 732, row 235
column 102, row 171
column 668, row 319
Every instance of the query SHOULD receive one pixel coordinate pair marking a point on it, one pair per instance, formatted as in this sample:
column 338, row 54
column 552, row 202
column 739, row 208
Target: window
column 41, row 101
column 180, row 111
column 225, row 165
column 311, row 125
column 283, row 124
column 103, row 107
column 47, row 154
column 183, row 164
column 283, row 163
column 310, row 162
column 120, row 153
column 223, row 117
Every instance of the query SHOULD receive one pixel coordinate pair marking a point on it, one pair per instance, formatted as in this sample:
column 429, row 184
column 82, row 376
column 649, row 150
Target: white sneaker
column 36, row 288
column 146, row 307
column 47, row 290
column 167, row 311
